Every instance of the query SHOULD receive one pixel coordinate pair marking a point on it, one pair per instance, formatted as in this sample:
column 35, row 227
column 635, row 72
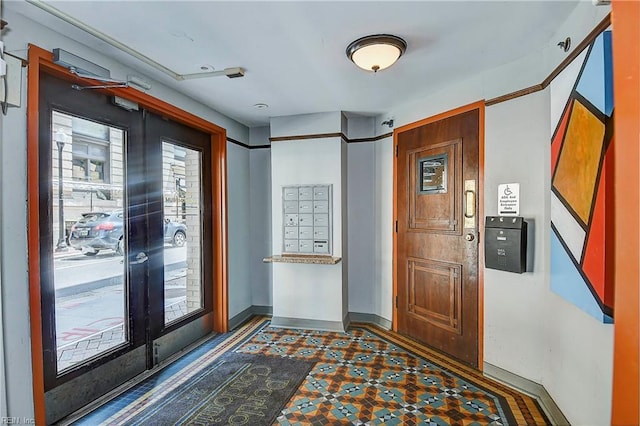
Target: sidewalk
column 75, row 283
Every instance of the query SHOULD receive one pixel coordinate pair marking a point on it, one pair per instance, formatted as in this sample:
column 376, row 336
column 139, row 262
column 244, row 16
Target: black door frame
column 41, row 62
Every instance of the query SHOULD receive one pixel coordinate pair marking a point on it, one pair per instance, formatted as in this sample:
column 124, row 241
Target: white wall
column 578, row 345
column 302, row 290
column 517, row 151
column 344, row 213
column 306, row 291
column 384, row 228
column 578, row 362
column 239, row 228
column 307, row 124
column 13, row 213
column 3, row 383
column 361, row 214
column 260, row 218
column 15, row 287
column 361, row 218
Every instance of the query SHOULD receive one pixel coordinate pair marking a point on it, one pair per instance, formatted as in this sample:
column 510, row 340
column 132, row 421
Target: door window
column 182, row 208
column 124, row 242
column 88, row 244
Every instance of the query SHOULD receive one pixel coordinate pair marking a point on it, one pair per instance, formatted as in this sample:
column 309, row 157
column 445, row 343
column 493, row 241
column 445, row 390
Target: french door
column 124, row 197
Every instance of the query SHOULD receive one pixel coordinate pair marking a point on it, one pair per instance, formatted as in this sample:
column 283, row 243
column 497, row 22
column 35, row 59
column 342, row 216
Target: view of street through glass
column 90, row 229
column 90, row 308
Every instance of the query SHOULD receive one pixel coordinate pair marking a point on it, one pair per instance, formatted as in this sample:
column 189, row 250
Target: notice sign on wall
column 509, row 199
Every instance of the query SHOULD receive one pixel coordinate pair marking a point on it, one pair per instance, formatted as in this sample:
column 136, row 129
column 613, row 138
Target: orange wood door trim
column 480, row 106
column 220, row 242
column 41, row 60
column 480, row 217
column 33, row 233
column 626, row 206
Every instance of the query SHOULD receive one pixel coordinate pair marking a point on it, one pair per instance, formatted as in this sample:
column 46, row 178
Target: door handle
column 140, row 258
column 470, row 203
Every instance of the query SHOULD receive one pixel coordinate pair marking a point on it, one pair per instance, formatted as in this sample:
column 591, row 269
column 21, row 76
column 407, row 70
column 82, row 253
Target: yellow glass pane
column 579, row 161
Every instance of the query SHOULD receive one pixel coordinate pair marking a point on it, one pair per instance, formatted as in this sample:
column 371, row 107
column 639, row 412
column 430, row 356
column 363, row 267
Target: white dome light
column 376, row 52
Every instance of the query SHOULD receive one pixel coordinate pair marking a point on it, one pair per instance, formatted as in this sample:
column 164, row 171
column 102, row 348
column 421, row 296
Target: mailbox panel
column 307, row 218
column 305, row 192
column 291, row 194
column 306, row 246
column 306, row 207
column 291, row 207
column 505, row 243
column 306, row 233
column 290, row 232
column 290, row 220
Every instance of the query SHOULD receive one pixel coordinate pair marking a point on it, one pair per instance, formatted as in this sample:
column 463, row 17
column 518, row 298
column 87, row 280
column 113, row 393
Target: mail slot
column 505, row 243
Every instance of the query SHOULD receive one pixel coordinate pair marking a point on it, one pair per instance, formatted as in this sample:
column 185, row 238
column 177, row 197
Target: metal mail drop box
column 505, row 243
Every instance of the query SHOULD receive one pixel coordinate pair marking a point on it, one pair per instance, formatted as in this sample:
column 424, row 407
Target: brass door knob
column 469, row 237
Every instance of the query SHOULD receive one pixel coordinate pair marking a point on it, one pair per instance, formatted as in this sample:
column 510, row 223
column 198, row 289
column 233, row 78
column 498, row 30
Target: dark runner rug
column 236, row 389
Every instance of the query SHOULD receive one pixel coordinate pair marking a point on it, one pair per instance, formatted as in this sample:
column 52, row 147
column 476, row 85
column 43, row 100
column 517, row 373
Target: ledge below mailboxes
column 311, row 259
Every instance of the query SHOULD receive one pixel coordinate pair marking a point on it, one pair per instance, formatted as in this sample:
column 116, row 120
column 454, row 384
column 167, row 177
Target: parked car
column 97, row 231
column 175, row 233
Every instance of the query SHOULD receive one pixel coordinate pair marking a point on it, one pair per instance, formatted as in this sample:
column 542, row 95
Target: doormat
column 236, row 389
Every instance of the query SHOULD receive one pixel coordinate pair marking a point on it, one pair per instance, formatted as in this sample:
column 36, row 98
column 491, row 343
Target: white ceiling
column 294, row 52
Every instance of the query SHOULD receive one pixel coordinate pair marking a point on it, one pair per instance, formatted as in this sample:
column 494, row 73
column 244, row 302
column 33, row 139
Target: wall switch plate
column 14, row 82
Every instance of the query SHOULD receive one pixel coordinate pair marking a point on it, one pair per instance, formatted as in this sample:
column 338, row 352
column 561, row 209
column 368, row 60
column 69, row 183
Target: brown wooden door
column 437, row 239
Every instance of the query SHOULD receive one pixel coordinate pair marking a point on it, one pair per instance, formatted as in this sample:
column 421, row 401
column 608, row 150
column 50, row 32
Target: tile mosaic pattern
column 366, row 376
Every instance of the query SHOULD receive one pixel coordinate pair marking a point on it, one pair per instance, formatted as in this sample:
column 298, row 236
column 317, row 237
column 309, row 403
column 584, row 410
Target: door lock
column 469, row 237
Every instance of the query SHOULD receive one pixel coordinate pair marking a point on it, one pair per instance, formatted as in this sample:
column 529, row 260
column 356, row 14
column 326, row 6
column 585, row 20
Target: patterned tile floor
column 366, row 376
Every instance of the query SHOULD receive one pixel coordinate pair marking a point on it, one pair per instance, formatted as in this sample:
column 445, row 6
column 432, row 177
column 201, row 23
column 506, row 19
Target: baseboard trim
column 251, row 311
column 283, row 322
column 369, row 319
column 351, row 317
column 530, row 388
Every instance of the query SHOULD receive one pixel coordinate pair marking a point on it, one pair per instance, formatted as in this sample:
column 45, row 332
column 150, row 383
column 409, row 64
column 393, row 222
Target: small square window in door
column 432, row 174
column 434, row 190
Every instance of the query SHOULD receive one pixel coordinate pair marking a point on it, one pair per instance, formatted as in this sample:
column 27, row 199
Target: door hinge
column 396, row 226
column 396, row 150
column 396, row 302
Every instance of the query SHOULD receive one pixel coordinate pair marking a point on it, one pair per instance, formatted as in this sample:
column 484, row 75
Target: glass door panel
column 182, row 202
column 179, row 231
column 89, row 239
column 125, row 222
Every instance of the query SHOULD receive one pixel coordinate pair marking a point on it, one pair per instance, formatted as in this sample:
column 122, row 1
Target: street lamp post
column 60, row 138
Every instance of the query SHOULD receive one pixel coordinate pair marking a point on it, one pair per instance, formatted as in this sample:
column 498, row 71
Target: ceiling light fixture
column 376, row 52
